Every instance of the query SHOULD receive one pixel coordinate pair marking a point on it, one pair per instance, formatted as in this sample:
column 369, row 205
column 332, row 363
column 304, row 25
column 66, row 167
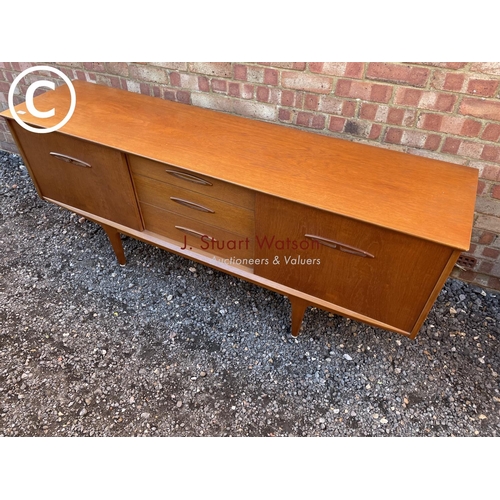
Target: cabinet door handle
column 192, row 205
column 189, row 177
column 192, row 232
column 69, row 159
column 339, row 246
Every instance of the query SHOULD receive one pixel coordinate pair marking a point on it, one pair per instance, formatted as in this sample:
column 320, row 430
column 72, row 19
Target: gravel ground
column 168, row 347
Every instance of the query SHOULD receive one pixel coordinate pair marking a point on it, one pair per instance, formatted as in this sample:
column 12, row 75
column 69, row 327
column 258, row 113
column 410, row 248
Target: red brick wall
column 448, row 111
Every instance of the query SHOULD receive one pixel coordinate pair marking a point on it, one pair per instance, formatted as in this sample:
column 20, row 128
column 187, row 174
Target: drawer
column 81, row 174
column 195, row 235
column 192, row 181
column 194, row 205
column 382, row 274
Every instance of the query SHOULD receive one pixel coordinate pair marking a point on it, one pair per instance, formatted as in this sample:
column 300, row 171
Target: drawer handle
column 192, row 205
column 189, row 177
column 192, row 232
column 69, row 159
column 340, row 246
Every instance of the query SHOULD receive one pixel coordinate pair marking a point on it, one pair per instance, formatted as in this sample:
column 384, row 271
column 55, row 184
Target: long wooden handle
column 189, row 177
column 69, row 159
column 192, row 232
column 339, row 246
column 192, row 205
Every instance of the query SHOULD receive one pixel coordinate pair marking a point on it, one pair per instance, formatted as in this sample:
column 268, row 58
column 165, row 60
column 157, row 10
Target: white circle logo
column 31, row 105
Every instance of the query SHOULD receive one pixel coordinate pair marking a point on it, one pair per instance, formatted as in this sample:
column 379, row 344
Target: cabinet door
column 81, row 174
column 373, row 271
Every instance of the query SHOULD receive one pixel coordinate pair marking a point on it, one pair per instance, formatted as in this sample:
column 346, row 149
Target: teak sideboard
column 361, row 231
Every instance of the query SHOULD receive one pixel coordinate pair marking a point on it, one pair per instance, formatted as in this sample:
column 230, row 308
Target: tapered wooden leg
column 116, row 243
column 299, row 307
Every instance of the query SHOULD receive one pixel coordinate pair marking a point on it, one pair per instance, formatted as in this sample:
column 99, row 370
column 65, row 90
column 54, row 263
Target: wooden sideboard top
column 424, row 197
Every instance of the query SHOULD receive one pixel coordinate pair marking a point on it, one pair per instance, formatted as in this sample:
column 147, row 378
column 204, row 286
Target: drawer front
column 195, row 235
column 376, row 272
column 194, row 205
column 83, row 175
column 192, row 181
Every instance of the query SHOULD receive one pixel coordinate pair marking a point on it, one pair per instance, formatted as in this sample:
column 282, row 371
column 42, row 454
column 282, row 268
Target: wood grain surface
column 212, row 187
column 428, row 198
column 227, row 216
column 177, row 227
column 392, row 287
column 103, row 188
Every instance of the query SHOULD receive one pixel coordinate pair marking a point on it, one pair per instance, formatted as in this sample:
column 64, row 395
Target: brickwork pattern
column 446, row 111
